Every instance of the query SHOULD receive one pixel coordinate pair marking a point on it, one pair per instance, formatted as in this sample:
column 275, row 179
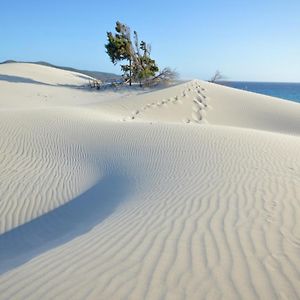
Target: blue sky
column 246, row 40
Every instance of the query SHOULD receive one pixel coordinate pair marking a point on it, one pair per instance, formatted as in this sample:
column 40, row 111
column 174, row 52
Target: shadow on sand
column 19, row 79
column 64, row 223
column 121, row 89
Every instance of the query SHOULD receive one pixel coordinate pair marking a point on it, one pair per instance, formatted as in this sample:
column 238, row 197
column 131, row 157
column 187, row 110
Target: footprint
column 196, row 115
column 201, row 106
column 199, row 101
column 175, row 100
column 196, row 107
column 186, row 120
column 203, row 121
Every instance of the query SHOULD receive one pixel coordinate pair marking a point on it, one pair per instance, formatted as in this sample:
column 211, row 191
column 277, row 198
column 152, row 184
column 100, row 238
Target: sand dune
column 188, row 192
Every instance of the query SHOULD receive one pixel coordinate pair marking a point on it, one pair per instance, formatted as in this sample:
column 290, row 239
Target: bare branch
column 166, row 76
column 217, row 77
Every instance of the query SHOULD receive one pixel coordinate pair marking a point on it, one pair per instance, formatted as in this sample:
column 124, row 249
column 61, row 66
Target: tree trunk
column 130, row 72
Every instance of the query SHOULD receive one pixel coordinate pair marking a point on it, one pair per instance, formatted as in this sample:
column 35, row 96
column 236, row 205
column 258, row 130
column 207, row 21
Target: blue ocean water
column 288, row 91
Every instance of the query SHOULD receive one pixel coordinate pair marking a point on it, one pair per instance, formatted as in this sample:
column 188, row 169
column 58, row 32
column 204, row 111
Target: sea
column 287, row 91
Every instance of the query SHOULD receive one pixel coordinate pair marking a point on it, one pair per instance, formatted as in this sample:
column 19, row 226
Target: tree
column 217, row 77
column 120, row 47
column 144, row 66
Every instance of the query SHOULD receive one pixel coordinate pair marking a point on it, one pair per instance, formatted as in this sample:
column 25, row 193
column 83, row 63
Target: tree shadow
column 18, row 79
column 106, row 87
column 64, row 223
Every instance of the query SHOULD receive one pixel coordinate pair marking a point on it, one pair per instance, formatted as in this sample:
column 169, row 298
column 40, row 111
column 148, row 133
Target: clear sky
column 256, row 40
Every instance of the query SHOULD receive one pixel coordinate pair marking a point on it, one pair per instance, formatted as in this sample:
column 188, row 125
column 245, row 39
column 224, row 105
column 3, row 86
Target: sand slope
column 189, row 192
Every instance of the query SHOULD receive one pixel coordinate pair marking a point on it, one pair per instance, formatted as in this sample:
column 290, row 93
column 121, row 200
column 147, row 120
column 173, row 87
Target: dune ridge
column 189, row 192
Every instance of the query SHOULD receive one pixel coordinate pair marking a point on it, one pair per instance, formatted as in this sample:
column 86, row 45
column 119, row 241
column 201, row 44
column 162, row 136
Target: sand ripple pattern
column 185, row 230
column 138, row 196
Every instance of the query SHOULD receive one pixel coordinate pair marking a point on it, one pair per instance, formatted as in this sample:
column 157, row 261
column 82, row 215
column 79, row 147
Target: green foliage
column 119, row 44
column 146, row 67
column 140, row 66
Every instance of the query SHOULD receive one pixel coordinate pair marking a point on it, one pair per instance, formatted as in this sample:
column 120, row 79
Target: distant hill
column 103, row 76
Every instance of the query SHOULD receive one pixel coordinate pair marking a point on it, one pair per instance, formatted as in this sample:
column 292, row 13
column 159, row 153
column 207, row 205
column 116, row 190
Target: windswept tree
column 119, row 47
column 140, row 66
column 144, row 66
column 217, row 77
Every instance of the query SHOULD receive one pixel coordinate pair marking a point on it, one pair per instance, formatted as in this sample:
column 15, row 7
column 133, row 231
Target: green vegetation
column 139, row 66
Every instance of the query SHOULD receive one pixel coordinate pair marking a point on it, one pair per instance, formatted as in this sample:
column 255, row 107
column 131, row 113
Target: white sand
column 189, row 192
